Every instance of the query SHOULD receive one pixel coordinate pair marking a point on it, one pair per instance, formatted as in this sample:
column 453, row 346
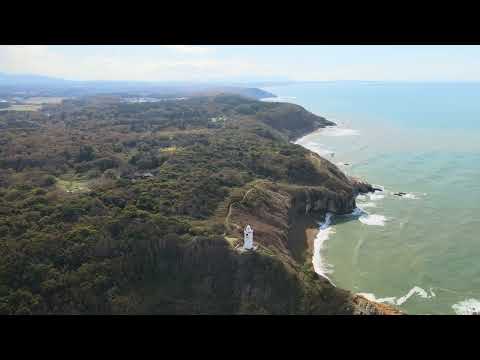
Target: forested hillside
column 111, row 207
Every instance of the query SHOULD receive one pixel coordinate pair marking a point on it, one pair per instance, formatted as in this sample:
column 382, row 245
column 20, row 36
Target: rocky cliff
column 281, row 215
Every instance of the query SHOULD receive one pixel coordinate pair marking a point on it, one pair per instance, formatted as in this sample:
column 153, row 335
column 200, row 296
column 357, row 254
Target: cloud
column 203, row 63
column 33, row 59
column 193, row 63
column 189, row 49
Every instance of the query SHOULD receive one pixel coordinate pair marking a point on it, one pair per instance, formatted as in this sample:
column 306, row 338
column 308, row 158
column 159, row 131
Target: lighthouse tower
column 248, row 238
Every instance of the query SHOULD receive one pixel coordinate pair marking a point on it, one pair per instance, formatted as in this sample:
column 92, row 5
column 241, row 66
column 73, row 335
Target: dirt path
column 229, row 213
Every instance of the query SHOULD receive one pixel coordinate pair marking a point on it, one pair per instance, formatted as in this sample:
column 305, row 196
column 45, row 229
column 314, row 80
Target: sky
column 244, row 63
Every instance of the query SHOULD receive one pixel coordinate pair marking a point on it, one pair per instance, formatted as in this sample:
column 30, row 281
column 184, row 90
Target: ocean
column 419, row 251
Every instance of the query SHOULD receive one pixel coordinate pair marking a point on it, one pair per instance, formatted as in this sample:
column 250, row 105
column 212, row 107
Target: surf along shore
column 308, row 232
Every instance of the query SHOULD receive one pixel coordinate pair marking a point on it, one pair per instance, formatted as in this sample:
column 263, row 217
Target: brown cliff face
column 363, row 306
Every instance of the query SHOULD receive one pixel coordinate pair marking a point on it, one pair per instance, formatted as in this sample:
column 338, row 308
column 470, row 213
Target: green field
column 23, row 107
column 45, row 100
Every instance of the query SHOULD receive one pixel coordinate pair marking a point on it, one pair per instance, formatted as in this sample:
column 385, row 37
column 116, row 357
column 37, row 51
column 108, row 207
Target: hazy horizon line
column 237, row 81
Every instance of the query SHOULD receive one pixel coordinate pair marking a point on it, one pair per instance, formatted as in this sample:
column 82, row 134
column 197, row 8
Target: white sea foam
column 325, row 230
column 374, row 196
column 368, row 204
column 416, row 290
column 377, row 195
column 467, row 307
column 413, row 196
column 371, row 297
column 372, row 219
column 364, row 216
column 358, row 211
column 279, row 99
column 338, row 131
column 320, row 149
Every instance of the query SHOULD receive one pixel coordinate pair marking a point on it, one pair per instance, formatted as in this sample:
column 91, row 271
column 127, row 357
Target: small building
column 248, row 238
column 138, row 175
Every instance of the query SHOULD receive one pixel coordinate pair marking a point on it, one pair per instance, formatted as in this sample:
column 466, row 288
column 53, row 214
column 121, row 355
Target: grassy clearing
column 170, row 150
column 44, row 100
column 73, row 186
column 23, row 107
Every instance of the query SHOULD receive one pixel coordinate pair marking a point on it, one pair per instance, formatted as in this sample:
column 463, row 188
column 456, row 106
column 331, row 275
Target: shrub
column 86, row 153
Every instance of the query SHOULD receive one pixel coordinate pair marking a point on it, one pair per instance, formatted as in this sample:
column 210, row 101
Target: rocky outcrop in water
column 360, row 186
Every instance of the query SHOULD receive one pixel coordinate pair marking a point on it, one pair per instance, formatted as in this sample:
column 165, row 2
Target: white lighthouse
column 248, row 238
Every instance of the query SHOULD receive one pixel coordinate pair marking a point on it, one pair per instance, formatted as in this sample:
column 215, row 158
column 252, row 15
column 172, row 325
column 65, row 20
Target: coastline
column 306, row 229
column 301, row 237
column 309, row 215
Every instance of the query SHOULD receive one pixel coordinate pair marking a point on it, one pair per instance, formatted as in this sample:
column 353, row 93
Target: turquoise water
column 420, row 252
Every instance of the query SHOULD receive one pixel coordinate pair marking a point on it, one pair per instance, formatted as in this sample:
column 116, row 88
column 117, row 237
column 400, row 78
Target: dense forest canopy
column 109, row 207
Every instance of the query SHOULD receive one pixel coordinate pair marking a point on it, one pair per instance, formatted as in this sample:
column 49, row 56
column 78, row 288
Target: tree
column 86, row 153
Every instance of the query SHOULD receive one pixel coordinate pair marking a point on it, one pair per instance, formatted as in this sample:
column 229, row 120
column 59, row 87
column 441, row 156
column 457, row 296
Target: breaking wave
column 374, row 196
column 338, row 131
column 357, row 212
column 361, row 197
column 325, row 230
column 368, row 204
column 467, row 307
column 416, row 290
column 279, row 99
column 372, row 219
column 319, row 149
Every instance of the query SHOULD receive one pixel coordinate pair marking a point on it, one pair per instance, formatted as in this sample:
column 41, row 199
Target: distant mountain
column 44, row 85
column 249, row 92
column 26, row 79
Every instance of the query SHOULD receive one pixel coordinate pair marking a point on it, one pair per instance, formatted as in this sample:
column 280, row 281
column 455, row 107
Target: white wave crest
column 371, row 297
column 368, row 204
column 338, row 131
column 416, row 290
column 467, row 307
column 408, row 195
column 374, row 196
column 373, row 219
column 279, row 99
column 318, row 148
column 358, row 211
column 325, row 230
